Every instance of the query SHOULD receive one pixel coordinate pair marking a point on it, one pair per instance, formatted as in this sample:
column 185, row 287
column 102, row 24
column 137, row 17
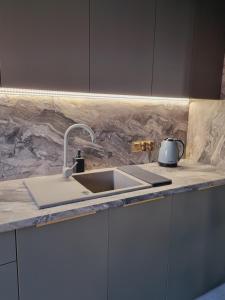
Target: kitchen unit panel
column 45, row 44
column 215, row 258
column 67, row 260
column 173, row 47
column 8, row 282
column 7, row 247
column 138, row 250
column 208, row 49
column 189, row 241
column 121, row 49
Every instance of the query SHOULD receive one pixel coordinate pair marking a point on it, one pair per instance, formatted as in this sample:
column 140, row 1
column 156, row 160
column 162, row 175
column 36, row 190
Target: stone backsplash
column 32, row 129
column 206, row 132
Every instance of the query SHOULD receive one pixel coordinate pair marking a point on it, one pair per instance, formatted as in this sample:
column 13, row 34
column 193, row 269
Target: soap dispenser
column 79, row 167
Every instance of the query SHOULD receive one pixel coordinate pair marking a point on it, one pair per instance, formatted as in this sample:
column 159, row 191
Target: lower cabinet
column 215, row 250
column 190, row 222
column 197, row 253
column 67, row 260
column 138, row 250
column 170, row 248
column 7, row 247
column 8, row 282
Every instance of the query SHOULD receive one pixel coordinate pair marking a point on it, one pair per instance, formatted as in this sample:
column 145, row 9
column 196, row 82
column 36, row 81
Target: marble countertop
column 17, row 209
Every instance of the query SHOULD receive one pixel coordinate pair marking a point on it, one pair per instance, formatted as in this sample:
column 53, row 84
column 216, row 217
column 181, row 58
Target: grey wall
column 32, row 129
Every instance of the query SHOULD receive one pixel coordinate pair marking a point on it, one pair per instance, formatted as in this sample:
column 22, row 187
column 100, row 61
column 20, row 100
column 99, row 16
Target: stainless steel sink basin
column 109, row 180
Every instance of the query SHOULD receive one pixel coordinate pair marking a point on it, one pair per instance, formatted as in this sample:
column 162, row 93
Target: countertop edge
column 128, row 200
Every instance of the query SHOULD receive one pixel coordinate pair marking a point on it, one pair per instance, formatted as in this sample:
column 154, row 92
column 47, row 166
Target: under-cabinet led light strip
column 26, row 92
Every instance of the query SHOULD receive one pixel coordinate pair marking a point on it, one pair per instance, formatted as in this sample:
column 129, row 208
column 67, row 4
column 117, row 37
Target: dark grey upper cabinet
column 173, row 45
column 171, row 48
column 208, row 49
column 121, row 50
column 45, row 44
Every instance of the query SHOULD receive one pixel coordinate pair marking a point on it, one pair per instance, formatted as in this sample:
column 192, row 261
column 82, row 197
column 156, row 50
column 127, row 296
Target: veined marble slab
column 206, row 132
column 32, row 129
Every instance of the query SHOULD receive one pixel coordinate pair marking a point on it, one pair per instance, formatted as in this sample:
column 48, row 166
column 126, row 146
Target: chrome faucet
column 67, row 171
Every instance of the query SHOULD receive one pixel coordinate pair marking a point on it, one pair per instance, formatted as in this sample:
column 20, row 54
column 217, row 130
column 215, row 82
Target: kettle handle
column 182, row 151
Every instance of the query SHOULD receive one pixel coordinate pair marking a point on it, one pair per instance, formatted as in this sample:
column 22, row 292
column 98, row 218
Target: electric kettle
column 170, row 152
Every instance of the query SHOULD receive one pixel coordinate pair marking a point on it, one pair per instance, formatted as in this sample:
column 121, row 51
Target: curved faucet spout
column 67, row 171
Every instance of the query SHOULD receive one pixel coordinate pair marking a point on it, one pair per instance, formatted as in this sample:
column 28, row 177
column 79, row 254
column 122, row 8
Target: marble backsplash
column 206, row 132
column 32, row 129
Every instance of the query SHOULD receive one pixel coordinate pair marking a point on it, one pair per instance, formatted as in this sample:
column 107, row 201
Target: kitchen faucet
column 67, row 171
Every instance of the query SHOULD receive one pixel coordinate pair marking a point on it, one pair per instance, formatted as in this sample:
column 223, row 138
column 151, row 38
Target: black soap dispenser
column 79, row 168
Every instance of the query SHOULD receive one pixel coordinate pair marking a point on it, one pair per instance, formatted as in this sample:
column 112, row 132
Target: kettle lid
column 169, row 139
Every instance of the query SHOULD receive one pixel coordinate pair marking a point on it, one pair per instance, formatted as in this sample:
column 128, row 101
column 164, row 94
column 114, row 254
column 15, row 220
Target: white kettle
column 170, row 152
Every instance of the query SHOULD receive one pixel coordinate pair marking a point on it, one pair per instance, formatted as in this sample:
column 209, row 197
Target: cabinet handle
column 207, row 187
column 143, row 202
column 65, row 219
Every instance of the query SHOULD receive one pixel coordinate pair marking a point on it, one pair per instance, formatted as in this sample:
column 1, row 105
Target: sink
column 50, row 191
column 110, row 180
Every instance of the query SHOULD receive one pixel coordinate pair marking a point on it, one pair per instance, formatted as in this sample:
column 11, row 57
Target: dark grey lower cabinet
column 215, row 250
column 67, row 260
column 197, row 253
column 8, row 282
column 171, row 248
column 138, row 251
column 190, row 213
column 7, row 247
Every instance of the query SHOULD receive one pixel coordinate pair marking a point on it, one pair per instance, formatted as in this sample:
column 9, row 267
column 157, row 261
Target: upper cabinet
column 208, row 49
column 45, row 44
column 173, row 46
column 122, row 43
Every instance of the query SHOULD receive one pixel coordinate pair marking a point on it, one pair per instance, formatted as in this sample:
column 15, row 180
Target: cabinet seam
column 17, row 267
column 154, row 46
column 108, row 255
column 169, row 249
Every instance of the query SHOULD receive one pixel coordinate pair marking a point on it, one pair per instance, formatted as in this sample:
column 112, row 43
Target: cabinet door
column 122, row 34
column 207, row 62
column 8, row 282
column 45, row 44
column 138, row 250
column 7, row 247
column 189, row 241
column 215, row 250
column 64, row 261
column 173, row 45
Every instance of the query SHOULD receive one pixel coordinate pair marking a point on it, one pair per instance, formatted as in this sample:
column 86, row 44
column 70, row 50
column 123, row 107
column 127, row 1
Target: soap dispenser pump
column 78, row 161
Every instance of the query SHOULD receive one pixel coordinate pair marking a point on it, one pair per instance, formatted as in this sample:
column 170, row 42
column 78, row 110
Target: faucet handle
column 67, row 172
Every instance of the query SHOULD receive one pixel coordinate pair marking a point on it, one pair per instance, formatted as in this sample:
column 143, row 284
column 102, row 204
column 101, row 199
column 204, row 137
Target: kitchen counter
column 17, row 209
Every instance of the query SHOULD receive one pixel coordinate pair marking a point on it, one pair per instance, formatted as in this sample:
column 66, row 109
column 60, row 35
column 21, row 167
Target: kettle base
column 173, row 165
